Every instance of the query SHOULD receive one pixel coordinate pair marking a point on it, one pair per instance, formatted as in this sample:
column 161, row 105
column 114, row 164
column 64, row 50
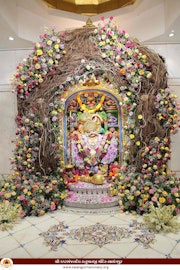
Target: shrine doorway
column 93, row 135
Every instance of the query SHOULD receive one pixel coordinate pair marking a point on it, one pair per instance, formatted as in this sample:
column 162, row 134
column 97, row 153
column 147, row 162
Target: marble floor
column 77, row 233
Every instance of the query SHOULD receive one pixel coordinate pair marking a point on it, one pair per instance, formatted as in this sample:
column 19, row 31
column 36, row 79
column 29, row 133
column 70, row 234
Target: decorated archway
column 74, row 68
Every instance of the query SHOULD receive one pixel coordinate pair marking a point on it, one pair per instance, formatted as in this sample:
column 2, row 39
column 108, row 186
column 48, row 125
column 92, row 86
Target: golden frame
column 100, row 87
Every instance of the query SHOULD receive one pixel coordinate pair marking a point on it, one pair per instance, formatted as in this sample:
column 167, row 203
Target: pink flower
column 173, row 190
column 154, row 199
column 22, row 214
column 151, row 191
column 21, row 198
column 53, row 207
column 111, row 18
column 177, row 210
column 102, row 18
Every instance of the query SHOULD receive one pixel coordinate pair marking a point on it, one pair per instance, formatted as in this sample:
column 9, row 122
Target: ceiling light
column 11, row 38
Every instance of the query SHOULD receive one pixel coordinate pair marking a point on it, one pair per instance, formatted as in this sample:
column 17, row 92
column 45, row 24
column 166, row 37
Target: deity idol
column 93, row 146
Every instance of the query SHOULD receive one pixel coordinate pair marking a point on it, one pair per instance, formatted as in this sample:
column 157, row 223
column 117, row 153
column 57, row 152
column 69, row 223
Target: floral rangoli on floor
column 98, row 234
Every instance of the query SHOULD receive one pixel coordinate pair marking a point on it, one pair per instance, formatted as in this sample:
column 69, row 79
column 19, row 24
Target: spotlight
column 11, row 38
column 171, row 34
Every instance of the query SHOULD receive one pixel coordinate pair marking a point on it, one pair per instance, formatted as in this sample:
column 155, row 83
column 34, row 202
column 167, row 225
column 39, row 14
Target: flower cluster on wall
column 105, row 54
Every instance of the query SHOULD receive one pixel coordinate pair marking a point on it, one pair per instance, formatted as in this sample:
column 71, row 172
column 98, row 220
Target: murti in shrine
column 94, row 138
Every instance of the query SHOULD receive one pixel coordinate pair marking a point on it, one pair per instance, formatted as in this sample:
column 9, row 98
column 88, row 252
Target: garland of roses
column 84, row 151
column 86, row 109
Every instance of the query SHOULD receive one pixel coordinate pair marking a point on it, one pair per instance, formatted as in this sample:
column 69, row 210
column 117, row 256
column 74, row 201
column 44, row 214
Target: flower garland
column 86, row 152
column 86, row 109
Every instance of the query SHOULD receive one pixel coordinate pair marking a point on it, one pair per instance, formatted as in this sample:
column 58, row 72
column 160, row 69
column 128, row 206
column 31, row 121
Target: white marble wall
column 8, row 109
column 8, row 105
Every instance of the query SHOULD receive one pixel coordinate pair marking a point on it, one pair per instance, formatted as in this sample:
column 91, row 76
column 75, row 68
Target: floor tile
column 122, row 249
column 27, row 235
column 20, row 225
column 36, row 248
column 4, row 234
column 97, row 218
column 101, row 253
column 17, row 253
column 139, row 252
column 7, row 244
column 44, row 226
column 175, row 253
column 80, row 250
column 37, row 220
column 164, row 244
column 60, row 253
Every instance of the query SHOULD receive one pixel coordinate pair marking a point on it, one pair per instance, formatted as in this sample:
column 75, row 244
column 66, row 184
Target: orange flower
column 122, row 71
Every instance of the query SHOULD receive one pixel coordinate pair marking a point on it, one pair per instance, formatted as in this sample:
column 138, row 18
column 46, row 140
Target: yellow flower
column 39, row 52
column 143, row 56
column 29, row 193
column 41, row 212
column 162, row 199
column 149, row 75
column 37, row 66
column 131, row 198
column 50, row 61
column 6, row 185
column 130, row 53
column 164, row 193
column 25, row 191
column 54, row 182
column 140, row 116
column 137, row 193
column 40, row 80
column 141, row 72
column 129, row 93
column 56, row 46
column 138, row 143
column 32, row 202
column 63, row 195
column 49, row 42
column 54, row 112
column 131, row 136
column 146, row 188
column 7, row 195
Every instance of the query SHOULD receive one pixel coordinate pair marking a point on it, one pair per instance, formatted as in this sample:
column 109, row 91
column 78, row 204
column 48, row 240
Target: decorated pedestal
column 90, row 196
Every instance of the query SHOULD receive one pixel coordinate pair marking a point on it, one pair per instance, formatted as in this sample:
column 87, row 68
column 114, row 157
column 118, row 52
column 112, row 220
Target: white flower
column 88, row 67
column 103, row 37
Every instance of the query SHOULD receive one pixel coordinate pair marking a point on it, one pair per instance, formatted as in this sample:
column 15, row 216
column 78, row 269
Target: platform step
column 87, row 195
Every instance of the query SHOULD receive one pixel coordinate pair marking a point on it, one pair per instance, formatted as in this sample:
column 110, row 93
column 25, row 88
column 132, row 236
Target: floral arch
column 135, row 75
